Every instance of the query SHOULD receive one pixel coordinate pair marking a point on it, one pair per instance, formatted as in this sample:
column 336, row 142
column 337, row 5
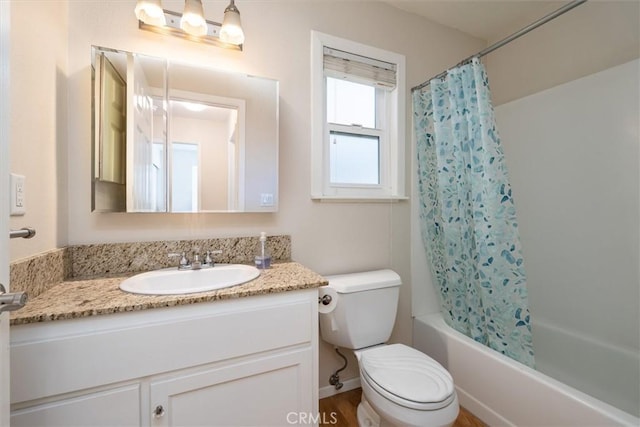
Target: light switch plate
column 266, row 199
column 17, row 203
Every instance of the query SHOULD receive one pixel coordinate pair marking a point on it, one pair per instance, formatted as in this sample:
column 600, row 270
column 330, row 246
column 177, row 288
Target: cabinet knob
column 158, row 412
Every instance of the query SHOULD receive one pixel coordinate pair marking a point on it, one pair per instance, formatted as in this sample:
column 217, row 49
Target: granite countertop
column 77, row 298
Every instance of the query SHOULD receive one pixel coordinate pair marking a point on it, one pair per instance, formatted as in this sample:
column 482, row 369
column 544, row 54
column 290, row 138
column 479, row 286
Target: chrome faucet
column 196, row 264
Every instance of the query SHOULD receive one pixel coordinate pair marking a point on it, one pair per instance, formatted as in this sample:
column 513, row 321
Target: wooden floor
column 340, row 410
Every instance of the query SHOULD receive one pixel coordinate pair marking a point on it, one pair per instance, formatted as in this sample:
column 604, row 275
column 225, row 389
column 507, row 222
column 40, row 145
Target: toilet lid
column 407, row 376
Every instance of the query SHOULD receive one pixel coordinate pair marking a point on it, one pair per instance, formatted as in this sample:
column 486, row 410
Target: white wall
column 50, row 70
column 327, row 237
column 589, row 38
column 38, row 121
column 574, row 164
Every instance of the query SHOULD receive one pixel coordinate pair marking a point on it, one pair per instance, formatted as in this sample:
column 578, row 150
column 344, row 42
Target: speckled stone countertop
column 81, row 298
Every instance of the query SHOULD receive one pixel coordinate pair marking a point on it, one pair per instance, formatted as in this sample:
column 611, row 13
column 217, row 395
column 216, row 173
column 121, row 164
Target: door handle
column 11, row 301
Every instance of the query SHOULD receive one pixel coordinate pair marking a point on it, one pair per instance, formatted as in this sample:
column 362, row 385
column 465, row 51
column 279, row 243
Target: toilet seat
column 407, row 377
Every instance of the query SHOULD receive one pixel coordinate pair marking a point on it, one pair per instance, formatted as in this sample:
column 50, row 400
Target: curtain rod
column 509, row 39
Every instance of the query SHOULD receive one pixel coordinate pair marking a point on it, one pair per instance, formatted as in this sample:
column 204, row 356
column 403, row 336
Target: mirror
column 173, row 137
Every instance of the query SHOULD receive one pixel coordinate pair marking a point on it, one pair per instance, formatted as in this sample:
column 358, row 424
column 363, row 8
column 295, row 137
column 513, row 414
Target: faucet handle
column 208, row 259
column 184, row 262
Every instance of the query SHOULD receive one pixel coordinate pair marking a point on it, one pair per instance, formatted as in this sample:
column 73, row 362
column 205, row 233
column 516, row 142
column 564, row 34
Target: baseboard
column 347, row 385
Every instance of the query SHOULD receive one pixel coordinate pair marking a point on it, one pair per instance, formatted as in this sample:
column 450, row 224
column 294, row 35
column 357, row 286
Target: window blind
column 357, row 68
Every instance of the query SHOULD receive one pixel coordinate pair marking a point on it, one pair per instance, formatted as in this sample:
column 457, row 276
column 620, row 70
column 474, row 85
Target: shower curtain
column 467, row 215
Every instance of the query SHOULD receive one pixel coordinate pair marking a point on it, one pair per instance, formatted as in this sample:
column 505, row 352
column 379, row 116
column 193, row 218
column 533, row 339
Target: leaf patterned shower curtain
column 467, row 215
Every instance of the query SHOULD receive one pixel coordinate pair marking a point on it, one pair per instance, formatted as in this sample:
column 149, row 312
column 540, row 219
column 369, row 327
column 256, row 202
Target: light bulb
column 231, row 30
column 150, row 12
column 192, row 20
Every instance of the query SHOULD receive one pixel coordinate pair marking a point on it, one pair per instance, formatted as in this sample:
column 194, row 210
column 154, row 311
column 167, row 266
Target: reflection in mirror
column 204, row 152
column 113, row 104
column 171, row 137
column 147, row 125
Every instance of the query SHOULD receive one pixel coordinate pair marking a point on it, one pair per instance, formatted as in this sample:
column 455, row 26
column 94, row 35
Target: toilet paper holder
column 325, row 299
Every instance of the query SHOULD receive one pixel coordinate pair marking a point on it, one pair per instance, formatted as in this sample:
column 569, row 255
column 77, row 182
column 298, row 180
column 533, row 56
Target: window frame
column 392, row 134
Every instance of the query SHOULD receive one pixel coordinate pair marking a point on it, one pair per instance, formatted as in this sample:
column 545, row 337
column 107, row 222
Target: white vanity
column 250, row 360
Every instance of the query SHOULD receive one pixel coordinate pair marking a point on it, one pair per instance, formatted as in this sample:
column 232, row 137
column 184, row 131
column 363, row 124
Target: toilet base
column 383, row 413
column 367, row 417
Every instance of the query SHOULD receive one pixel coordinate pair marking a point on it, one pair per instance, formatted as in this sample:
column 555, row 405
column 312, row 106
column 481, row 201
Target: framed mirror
column 173, row 137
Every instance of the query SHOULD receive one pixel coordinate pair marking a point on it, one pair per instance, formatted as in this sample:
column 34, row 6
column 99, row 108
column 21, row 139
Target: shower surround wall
column 573, row 159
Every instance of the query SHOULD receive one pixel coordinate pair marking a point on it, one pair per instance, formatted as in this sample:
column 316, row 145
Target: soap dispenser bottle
column 262, row 255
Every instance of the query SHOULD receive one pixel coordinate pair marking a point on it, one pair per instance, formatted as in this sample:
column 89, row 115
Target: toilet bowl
column 401, row 386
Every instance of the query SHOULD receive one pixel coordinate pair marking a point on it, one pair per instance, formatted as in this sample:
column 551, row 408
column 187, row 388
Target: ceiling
column 491, row 20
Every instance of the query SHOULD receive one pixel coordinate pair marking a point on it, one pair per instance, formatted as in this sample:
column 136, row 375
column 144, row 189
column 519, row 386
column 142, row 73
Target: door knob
column 11, row 301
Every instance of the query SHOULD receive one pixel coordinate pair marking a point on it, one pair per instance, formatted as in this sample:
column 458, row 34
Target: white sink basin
column 171, row 281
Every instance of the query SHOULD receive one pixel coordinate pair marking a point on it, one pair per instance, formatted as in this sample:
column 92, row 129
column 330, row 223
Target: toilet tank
column 365, row 311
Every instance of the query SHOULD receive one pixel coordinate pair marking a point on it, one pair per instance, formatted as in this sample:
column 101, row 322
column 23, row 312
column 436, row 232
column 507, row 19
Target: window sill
column 358, row 199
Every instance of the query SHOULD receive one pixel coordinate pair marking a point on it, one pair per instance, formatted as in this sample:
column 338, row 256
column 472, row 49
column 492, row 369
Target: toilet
column 401, row 386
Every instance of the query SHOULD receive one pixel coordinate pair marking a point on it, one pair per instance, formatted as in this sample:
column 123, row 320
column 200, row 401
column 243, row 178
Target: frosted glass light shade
column 150, row 12
column 231, row 31
column 192, row 21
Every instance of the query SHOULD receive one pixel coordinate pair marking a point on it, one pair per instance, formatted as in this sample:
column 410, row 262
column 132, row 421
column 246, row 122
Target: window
column 357, row 121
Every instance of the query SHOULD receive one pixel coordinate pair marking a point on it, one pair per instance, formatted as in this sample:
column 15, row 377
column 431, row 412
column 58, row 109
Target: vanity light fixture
column 192, row 25
column 231, row 31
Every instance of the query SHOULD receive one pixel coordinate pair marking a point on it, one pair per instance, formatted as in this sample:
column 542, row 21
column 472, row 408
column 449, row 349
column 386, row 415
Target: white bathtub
column 606, row 371
column 503, row 392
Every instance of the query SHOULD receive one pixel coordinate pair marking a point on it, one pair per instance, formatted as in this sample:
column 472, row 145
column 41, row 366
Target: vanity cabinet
column 258, row 392
column 246, row 361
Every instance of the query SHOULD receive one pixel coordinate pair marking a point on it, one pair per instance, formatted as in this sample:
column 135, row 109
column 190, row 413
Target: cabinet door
column 114, row 407
column 265, row 391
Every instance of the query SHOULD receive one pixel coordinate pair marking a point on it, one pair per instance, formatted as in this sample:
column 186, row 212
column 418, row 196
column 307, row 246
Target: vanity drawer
column 64, row 356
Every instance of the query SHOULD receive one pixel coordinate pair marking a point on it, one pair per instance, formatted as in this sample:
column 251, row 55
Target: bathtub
column 503, row 392
column 604, row 370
